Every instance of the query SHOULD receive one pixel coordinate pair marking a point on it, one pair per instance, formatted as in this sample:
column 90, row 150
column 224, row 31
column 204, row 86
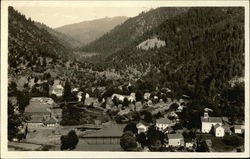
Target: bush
column 233, row 140
column 69, row 141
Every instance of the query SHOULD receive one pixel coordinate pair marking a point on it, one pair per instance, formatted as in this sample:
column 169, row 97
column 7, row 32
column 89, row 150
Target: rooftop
column 211, row 119
column 111, row 131
column 163, row 121
column 175, row 136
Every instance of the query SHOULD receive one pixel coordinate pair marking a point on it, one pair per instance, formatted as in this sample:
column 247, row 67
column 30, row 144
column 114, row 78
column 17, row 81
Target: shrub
column 233, row 140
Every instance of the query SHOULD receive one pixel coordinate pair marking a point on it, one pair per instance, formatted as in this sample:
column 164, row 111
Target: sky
column 59, row 16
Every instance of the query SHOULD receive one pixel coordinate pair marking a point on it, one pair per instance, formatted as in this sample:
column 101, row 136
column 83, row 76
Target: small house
column 162, row 123
column 238, row 129
column 142, row 127
column 57, row 90
column 146, row 96
column 219, row 130
column 175, row 140
column 79, row 96
column 90, row 101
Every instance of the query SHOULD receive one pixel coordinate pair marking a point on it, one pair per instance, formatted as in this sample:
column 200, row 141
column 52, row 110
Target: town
column 165, row 79
column 134, row 122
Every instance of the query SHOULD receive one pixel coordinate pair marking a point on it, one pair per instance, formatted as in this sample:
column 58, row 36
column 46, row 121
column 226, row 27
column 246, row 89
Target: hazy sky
column 59, row 16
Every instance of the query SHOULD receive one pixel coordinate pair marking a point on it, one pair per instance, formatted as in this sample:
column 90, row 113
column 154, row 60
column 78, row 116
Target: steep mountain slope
column 204, row 52
column 66, row 40
column 88, row 31
column 31, row 48
column 202, row 45
column 121, row 36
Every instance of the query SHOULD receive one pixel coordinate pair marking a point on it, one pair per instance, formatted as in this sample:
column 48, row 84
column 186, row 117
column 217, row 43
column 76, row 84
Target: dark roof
column 217, row 125
column 237, row 126
column 111, row 131
column 36, row 119
column 211, row 119
column 175, row 136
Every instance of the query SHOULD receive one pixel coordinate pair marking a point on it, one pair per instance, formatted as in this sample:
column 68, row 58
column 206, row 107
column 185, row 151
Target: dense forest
column 204, row 51
column 122, row 35
column 31, row 47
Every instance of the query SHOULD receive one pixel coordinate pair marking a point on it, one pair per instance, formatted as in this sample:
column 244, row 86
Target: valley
column 167, row 80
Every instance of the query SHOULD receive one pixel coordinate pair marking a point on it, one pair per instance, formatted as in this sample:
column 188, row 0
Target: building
column 219, row 130
column 79, row 96
column 175, row 140
column 208, row 122
column 90, row 101
column 238, row 129
column 37, row 110
column 87, row 96
column 162, row 123
column 120, row 97
column 50, row 122
column 147, row 96
column 142, row 127
column 138, row 106
column 105, row 136
column 57, row 90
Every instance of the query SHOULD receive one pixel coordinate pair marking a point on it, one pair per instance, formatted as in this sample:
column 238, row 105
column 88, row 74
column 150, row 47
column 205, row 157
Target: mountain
column 66, row 40
column 122, row 35
column 30, row 47
column 87, row 31
column 198, row 53
column 203, row 50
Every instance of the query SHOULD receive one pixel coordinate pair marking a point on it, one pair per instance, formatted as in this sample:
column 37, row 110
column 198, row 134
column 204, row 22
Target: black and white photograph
column 108, row 77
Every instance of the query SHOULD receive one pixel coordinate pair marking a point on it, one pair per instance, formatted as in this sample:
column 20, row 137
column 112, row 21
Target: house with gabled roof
column 175, row 140
column 219, row 130
column 162, row 123
column 142, row 127
column 238, row 129
column 208, row 122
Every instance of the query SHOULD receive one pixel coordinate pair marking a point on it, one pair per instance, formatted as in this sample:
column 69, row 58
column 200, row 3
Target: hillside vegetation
column 204, row 51
column 88, row 31
column 65, row 40
column 31, row 47
column 122, row 35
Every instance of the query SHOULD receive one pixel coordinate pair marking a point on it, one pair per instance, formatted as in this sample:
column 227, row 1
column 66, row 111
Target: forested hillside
column 204, row 51
column 87, row 31
column 121, row 36
column 65, row 40
column 31, row 48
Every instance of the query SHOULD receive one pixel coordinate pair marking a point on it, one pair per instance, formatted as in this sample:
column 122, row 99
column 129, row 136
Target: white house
column 142, row 127
column 175, row 140
column 87, row 96
column 130, row 98
column 238, row 129
column 219, row 130
column 57, row 90
column 162, row 123
column 79, row 96
column 146, row 95
column 208, row 122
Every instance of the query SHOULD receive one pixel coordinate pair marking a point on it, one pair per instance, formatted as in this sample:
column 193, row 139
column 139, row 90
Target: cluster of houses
column 163, row 124
column 219, row 126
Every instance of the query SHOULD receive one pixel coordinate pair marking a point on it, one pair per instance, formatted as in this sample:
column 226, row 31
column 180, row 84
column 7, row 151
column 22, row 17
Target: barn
column 106, row 136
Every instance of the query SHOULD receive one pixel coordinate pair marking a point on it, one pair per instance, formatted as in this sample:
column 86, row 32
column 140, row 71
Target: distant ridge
column 87, row 31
